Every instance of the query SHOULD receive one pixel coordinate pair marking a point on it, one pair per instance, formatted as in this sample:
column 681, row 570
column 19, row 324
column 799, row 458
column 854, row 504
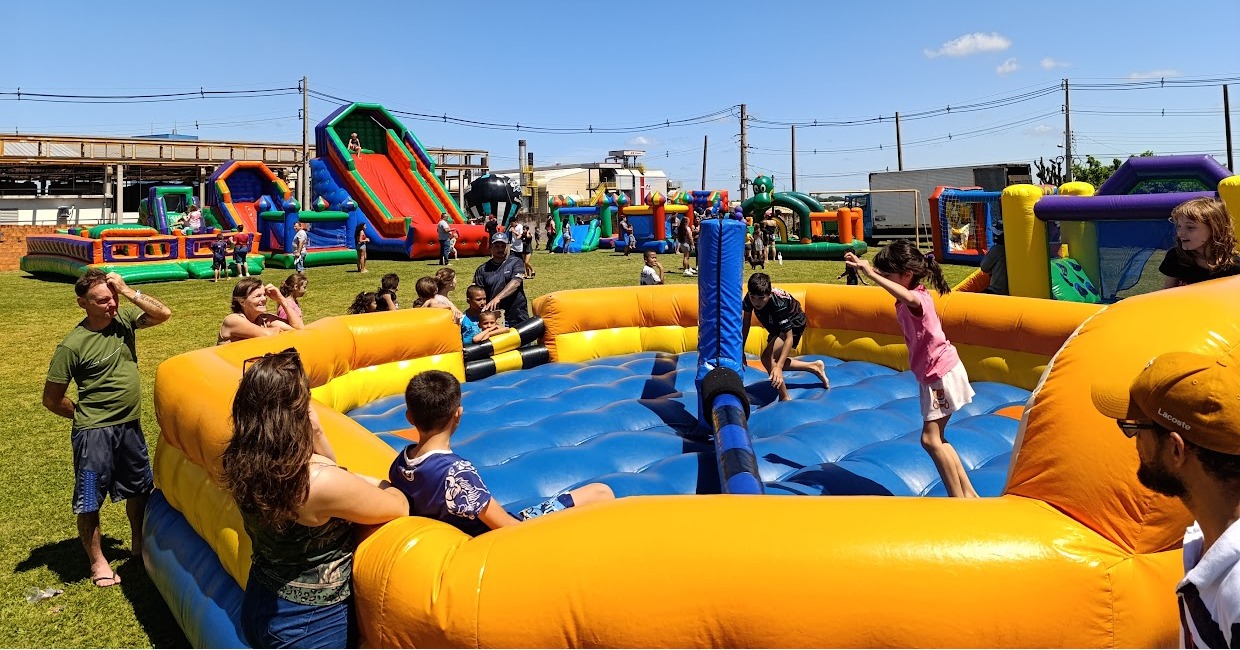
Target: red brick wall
column 13, row 243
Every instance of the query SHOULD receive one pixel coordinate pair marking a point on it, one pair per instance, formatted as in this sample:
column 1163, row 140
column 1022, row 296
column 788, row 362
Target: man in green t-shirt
column 109, row 450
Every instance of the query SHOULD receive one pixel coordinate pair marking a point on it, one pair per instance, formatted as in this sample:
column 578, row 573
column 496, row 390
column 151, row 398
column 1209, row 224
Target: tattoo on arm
column 149, row 304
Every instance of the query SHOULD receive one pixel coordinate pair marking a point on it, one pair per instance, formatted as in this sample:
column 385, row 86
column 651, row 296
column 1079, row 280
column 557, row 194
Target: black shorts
column 796, row 335
column 219, row 264
column 109, row 460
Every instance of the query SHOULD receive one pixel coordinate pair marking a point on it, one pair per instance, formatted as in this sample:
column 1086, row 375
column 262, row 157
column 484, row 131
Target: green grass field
column 41, row 548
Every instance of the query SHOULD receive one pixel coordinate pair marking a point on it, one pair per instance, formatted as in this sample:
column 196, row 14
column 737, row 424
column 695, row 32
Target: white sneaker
column 692, row 271
column 687, row 273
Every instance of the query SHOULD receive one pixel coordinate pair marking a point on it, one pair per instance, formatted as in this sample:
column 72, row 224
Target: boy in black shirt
column 784, row 320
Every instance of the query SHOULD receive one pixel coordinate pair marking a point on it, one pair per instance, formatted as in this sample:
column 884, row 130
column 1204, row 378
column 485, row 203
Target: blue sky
column 616, row 63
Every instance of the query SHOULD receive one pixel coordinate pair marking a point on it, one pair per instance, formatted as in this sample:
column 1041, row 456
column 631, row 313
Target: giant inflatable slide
column 391, row 180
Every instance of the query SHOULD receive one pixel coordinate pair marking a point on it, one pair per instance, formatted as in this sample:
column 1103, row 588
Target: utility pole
column 525, row 188
column 1227, row 128
column 794, row 157
column 1067, row 134
column 705, row 139
column 303, row 177
column 744, row 151
column 899, row 145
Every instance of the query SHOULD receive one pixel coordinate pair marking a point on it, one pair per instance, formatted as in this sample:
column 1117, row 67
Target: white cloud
column 1043, row 131
column 641, row 141
column 1008, row 67
column 972, row 44
column 1050, row 64
column 1154, row 74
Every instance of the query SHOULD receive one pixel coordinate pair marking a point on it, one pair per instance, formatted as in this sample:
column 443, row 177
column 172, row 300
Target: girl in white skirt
column 900, row 269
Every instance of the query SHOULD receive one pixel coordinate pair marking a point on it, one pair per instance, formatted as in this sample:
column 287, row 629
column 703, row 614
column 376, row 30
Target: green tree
column 1095, row 173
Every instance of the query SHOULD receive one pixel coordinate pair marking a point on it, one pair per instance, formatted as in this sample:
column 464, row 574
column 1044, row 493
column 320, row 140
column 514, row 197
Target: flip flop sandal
column 96, row 580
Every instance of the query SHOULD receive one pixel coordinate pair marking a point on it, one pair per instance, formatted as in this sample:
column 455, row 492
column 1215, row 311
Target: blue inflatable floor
column 629, row 422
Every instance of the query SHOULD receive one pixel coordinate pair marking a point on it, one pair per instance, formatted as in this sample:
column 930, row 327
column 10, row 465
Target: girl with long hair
column 1205, row 244
column 299, row 509
column 902, row 270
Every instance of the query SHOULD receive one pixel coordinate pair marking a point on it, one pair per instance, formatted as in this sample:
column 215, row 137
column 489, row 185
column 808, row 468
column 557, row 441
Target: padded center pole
column 723, row 406
column 721, row 249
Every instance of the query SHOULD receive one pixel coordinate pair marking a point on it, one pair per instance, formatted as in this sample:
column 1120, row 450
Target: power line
column 201, row 93
column 714, row 116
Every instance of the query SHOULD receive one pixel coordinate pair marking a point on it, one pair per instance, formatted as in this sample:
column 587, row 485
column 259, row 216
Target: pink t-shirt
column 930, row 354
column 280, row 313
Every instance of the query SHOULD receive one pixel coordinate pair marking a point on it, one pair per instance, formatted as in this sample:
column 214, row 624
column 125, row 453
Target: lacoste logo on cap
column 1174, row 420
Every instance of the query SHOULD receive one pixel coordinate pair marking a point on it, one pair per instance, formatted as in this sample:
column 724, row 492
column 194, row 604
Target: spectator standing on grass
column 301, row 241
column 241, row 247
column 502, row 277
column 219, row 256
column 361, row 239
column 109, row 451
column 445, row 238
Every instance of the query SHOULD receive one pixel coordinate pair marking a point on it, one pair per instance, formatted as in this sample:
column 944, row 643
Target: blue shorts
column 109, row 460
column 269, row 621
column 562, row 502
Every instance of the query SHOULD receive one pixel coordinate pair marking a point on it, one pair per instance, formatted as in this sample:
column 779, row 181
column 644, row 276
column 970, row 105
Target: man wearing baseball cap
column 1184, row 411
column 503, row 279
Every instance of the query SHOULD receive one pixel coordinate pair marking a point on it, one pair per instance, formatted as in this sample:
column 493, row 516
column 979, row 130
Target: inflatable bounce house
column 651, row 229
column 650, row 391
column 248, row 194
column 962, row 223
column 585, row 220
column 390, row 186
column 154, row 250
column 815, row 225
column 1110, row 241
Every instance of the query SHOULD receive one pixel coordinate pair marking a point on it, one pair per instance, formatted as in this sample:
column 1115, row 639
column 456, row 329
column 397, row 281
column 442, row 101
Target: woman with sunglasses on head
column 250, row 318
column 299, row 509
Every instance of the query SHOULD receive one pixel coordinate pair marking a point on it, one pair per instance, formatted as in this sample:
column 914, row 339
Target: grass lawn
column 40, row 546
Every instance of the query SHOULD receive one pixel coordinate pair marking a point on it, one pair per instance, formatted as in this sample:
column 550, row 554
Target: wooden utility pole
column 794, row 157
column 744, row 151
column 899, row 145
column 704, row 142
column 1227, row 128
column 303, row 177
column 1067, row 134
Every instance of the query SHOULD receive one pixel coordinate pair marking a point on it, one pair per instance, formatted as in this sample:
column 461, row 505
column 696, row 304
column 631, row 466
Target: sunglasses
column 288, row 353
column 1132, row 427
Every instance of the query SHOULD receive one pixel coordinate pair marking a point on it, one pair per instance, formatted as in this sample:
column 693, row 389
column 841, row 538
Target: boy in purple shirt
column 440, row 484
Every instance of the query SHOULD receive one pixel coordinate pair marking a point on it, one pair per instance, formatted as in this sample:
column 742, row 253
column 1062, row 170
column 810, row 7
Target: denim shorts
column 269, row 621
column 110, row 460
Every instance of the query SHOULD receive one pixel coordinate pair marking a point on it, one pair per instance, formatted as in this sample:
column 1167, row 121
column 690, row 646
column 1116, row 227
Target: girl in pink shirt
column 900, row 269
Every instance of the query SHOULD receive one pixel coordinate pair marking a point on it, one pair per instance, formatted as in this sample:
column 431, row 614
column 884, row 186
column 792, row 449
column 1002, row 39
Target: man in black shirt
column 502, row 277
column 782, row 317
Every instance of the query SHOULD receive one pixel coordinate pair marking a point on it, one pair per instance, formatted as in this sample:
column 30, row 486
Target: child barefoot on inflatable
column 900, row 268
column 784, row 320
